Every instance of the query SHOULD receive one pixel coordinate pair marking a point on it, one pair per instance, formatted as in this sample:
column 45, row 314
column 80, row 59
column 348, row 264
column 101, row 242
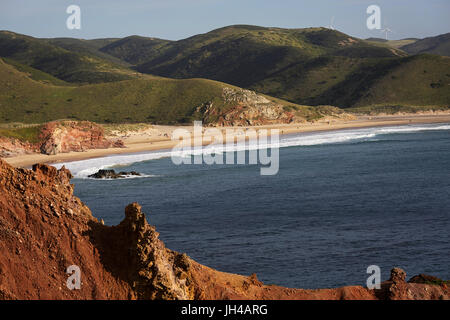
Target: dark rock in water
column 111, row 174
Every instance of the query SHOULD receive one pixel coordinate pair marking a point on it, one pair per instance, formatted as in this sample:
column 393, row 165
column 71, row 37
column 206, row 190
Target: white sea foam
column 83, row 168
column 125, row 177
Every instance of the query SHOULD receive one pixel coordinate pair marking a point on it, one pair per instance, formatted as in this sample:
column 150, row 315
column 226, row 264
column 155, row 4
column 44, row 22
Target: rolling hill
column 135, row 49
column 245, row 55
column 397, row 44
column 151, row 100
column 313, row 66
column 437, row 45
column 68, row 61
column 421, row 80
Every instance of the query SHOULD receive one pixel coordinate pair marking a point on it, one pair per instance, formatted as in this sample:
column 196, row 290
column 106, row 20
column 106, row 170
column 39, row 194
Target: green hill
column 437, row 45
column 421, row 80
column 87, row 47
column 314, row 66
column 151, row 100
column 397, row 44
column 78, row 66
column 135, row 49
column 245, row 55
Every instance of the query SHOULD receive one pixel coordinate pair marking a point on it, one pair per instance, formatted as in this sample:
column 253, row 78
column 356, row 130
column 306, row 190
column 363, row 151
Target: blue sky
column 178, row 19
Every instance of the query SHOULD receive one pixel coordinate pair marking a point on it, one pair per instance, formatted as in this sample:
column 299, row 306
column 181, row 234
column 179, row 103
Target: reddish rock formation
column 246, row 108
column 65, row 136
column 44, row 229
column 10, row 147
column 425, row 278
column 60, row 137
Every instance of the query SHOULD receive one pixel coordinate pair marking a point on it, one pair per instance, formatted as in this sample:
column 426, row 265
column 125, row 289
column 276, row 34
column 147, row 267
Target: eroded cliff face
column 10, row 147
column 66, row 136
column 247, row 108
column 44, row 229
column 61, row 137
column 133, row 252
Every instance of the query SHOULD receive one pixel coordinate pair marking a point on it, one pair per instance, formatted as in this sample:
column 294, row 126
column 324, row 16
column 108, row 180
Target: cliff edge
column 44, row 229
column 58, row 137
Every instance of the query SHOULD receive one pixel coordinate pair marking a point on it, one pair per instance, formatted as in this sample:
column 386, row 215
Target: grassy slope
column 437, row 45
column 153, row 100
column 312, row 66
column 87, row 47
column 134, row 49
column 397, row 44
column 418, row 80
column 78, row 66
column 246, row 55
column 25, row 134
column 305, row 82
column 36, row 74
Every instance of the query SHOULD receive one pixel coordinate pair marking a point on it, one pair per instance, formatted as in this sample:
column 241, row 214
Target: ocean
column 341, row 201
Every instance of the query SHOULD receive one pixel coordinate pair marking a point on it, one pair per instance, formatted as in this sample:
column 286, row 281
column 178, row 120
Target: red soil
column 44, row 229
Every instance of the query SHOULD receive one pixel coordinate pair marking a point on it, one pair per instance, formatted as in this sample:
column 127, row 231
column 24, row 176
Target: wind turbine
column 331, row 24
column 386, row 31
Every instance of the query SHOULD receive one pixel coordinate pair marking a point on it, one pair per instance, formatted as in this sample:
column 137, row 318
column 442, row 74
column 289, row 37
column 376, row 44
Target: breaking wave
column 83, row 168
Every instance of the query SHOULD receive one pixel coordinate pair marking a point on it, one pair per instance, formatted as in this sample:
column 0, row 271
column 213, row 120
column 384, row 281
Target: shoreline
column 138, row 142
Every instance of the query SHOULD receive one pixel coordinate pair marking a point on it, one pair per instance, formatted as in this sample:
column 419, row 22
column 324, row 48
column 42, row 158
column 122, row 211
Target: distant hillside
column 87, row 47
column 135, row 49
column 152, row 100
column 376, row 40
column 313, row 66
column 245, row 55
column 74, row 64
column 421, row 80
column 437, row 45
column 397, row 44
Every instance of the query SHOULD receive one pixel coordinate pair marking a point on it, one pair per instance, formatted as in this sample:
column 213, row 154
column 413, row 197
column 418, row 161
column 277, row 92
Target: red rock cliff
column 44, row 229
column 61, row 137
column 65, row 136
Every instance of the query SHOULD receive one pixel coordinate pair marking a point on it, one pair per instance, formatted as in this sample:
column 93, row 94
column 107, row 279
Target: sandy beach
column 159, row 137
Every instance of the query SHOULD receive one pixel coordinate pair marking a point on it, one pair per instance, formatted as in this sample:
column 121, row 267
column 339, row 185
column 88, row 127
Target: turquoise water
column 340, row 202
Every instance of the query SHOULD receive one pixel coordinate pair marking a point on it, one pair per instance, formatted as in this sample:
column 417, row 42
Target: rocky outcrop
column 396, row 288
column 44, row 229
column 111, row 174
column 427, row 279
column 245, row 108
column 10, row 147
column 66, row 136
column 133, row 252
column 60, row 137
